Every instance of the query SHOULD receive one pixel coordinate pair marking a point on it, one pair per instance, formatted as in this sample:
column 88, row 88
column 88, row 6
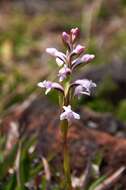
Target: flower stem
column 66, row 157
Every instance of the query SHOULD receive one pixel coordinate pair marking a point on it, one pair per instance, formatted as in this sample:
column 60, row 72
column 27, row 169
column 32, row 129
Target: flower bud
column 74, row 33
column 52, row 51
column 65, row 37
column 87, row 57
column 79, row 49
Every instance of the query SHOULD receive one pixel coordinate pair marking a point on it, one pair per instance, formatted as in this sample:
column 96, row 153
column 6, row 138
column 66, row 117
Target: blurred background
column 27, row 28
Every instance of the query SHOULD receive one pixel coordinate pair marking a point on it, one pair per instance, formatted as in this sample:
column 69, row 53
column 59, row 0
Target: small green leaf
column 97, row 182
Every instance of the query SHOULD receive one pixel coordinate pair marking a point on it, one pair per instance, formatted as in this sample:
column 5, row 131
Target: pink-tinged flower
column 79, row 49
column 84, row 86
column 63, row 72
column 48, row 85
column 84, row 59
column 87, row 57
column 74, row 33
column 69, row 114
column 54, row 52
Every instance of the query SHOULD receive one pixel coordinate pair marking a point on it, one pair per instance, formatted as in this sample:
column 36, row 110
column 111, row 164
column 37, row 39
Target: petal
column 40, row 84
column 66, row 37
column 83, row 82
column 61, row 78
column 78, row 90
column 76, row 116
column 63, row 72
column 94, row 84
column 69, row 114
column 83, row 60
column 47, row 91
column 45, row 84
column 67, row 108
column 83, row 86
column 74, row 33
column 57, row 86
column 59, row 62
column 87, row 57
column 61, row 55
column 79, row 49
column 86, row 93
column 52, row 51
column 49, row 85
column 63, row 116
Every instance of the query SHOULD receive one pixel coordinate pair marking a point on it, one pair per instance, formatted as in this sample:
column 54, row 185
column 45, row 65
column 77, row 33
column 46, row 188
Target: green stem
column 66, row 157
column 65, row 100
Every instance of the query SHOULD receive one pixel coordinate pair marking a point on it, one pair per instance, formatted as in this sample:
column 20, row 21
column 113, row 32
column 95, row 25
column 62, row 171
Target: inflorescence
column 67, row 63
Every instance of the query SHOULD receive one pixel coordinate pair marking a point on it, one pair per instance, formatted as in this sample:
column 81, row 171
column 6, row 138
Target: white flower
column 83, row 60
column 54, row 52
column 84, row 86
column 63, row 72
column 48, row 85
column 69, row 114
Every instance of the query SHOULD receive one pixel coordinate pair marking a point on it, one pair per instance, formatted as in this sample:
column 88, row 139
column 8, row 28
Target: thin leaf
column 97, row 182
column 8, row 161
column 11, row 183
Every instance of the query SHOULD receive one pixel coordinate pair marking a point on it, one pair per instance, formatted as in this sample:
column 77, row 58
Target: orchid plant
column 67, row 63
